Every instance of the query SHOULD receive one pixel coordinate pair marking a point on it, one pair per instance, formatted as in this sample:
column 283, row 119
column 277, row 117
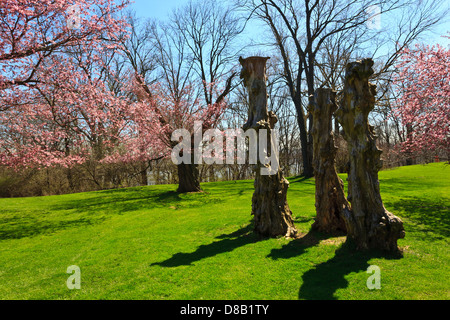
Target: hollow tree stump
column 272, row 215
column 331, row 204
column 370, row 225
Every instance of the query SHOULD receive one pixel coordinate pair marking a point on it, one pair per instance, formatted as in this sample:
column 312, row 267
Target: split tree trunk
column 370, row 225
column 331, row 204
column 272, row 215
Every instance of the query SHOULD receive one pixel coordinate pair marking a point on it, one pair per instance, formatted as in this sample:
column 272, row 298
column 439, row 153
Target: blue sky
column 160, row 9
column 155, row 8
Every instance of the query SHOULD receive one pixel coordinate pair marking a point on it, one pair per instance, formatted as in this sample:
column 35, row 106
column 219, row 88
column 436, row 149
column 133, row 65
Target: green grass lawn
column 152, row 243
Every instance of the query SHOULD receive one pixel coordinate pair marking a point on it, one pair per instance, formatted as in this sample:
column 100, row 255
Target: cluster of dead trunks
column 362, row 214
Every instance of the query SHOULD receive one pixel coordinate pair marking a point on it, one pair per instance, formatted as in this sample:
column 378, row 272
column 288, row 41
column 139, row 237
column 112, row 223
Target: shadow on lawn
column 321, row 282
column 324, row 279
column 84, row 212
column 118, row 202
column 227, row 243
column 297, row 179
column 94, row 210
column 19, row 227
column 298, row 246
column 428, row 215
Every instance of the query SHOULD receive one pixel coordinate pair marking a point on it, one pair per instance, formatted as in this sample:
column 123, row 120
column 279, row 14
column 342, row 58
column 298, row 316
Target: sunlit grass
column 153, row 243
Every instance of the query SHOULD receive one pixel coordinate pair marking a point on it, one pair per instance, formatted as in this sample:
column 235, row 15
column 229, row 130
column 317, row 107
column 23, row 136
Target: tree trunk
column 143, row 174
column 336, row 127
column 272, row 215
column 331, row 204
column 307, row 165
column 409, row 155
column 69, row 169
column 309, row 169
column 370, row 225
column 70, row 179
column 309, row 70
column 188, row 178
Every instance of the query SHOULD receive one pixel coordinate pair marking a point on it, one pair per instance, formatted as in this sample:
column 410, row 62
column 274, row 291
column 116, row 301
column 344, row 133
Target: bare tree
column 209, row 30
column 189, row 56
column 272, row 215
column 140, row 57
column 301, row 30
column 331, row 204
column 139, row 48
column 368, row 223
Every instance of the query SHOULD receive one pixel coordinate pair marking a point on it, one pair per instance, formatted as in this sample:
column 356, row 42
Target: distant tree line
column 93, row 106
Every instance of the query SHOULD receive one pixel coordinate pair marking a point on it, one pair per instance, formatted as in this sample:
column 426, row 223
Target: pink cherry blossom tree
column 73, row 116
column 59, row 106
column 63, row 102
column 40, row 84
column 31, row 31
column 423, row 104
column 179, row 94
column 178, row 106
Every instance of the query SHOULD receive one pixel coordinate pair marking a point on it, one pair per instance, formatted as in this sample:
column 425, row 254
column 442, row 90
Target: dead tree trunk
column 370, row 225
column 272, row 215
column 331, row 204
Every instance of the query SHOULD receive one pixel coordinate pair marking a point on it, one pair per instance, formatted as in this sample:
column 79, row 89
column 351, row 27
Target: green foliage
column 153, row 243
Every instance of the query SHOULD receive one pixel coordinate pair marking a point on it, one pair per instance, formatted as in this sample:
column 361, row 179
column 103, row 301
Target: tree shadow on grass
column 88, row 211
column 226, row 243
column 298, row 246
column 118, row 201
column 81, row 213
column 144, row 199
column 300, row 179
column 18, row 227
column 321, row 282
column 427, row 214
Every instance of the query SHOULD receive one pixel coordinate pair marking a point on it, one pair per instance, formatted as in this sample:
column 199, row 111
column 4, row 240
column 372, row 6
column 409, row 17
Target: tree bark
column 70, row 178
column 308, row 171
column 409, row 155
column 188, row 178
column 143, row 174
column 370, row 225
column 336, row 127
column 272, row 215
column 331, row 204
column 295, row 92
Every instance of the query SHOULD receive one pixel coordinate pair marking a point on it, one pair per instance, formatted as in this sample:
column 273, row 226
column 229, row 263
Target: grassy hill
column 152, row 243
